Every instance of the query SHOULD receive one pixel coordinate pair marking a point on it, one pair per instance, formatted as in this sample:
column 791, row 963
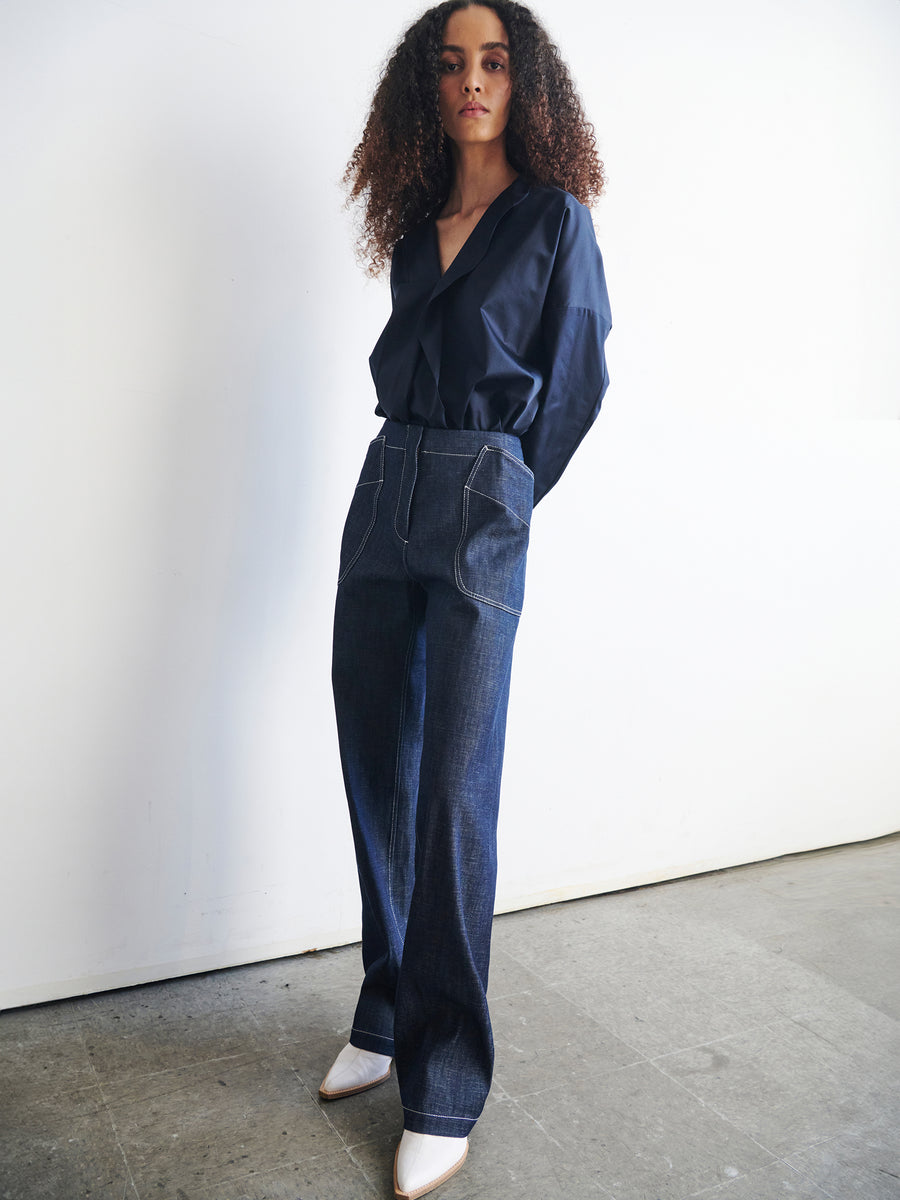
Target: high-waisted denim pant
column 430, row 588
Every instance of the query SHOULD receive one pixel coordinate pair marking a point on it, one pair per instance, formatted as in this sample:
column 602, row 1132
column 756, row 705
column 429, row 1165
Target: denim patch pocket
column 363, row 507
column 490, row 557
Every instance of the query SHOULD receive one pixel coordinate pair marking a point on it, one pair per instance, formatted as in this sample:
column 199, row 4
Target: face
column 475, row 89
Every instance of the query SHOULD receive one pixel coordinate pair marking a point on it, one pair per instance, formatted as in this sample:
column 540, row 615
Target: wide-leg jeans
column 431, row 581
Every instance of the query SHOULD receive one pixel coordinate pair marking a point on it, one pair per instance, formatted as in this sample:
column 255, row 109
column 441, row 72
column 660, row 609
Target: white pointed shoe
column 424, row 1161
column 354, row 1071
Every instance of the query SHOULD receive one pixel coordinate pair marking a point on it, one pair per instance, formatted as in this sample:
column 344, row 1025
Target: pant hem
column 417, row 1122
column 374, row 1042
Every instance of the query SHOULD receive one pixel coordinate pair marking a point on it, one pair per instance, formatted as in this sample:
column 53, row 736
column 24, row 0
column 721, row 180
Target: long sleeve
column 574, row 326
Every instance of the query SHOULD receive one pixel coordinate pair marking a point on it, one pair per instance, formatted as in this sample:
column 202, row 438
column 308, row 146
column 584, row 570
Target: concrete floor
column 734, row 1036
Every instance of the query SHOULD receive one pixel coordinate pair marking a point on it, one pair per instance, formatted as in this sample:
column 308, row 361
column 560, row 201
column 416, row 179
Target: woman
column 473, row 167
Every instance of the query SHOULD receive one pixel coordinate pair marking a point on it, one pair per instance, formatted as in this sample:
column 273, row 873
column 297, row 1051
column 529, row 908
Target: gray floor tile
column 43, row 1060
column 779, row 1181
column 311, row 1054
column 541, row 1038
column 652, row 1004
column 62, row 1147
column 369, row 1117
column 863, row 1165
column 658, row 982
column 375, row 1159
column 855, row 873
column 27, row 1022
column 197, row 1128
column 146, row 1037
column 756, row 983
column 733, row 1036
column 206, row 992
column 775, row 897
column 508, row 976
column 851, row 947
column 304, row 1012
column 510, row 1158
column 854, row 1027
column 316, row 971
column 639, row 1135
column 546, row 939
column 783, row 1085
column 327, row 1177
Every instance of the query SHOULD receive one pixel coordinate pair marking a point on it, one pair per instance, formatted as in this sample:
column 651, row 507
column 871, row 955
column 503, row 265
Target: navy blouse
column 510, row 337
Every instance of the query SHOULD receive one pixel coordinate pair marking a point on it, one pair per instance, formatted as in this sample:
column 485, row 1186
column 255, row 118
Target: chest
column 452, row 234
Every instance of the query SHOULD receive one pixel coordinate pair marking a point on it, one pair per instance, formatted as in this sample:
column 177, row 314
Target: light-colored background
column 708, row 669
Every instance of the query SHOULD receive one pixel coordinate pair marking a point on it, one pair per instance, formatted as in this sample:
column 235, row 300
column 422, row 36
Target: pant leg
column 378, row 681
column 443, row 1040
column 468, row 540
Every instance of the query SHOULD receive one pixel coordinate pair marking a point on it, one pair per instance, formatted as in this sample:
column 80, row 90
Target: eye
column 449, row 67
column 495, row 65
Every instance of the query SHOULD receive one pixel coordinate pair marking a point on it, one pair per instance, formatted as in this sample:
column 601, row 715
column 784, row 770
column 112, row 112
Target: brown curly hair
column 402, row 169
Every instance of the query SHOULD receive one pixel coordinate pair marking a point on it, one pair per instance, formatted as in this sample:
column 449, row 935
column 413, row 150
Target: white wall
column 709, row 663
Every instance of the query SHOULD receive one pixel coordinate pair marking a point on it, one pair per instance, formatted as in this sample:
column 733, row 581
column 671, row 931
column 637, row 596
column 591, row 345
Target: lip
column 472, row 110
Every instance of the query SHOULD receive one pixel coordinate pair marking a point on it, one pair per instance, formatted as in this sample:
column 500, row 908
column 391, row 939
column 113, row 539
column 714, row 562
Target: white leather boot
column 354, row 1071
column 424, row 1160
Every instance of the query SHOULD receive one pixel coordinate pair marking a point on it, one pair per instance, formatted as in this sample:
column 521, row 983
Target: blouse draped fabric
column 510, row 338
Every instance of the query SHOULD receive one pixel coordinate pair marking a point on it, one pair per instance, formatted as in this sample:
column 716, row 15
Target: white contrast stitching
column 368, row 1033
column 400, row 496
column 494, row 499
column 515, row 612
column 525, row 467
column 440, row 1116
column 406, row 673
column 362, row 545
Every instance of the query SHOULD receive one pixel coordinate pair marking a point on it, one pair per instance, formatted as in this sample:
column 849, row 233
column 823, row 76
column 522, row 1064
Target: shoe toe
column 354, row 1071
column 423, row 1163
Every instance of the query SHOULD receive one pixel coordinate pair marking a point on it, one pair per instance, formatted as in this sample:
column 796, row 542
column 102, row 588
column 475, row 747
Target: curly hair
column 402, row 169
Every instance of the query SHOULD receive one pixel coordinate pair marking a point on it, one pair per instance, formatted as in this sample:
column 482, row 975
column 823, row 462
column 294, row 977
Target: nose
column 472, row 81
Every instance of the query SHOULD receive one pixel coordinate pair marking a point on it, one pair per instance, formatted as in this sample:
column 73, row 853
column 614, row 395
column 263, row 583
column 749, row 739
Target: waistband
column 399, row 435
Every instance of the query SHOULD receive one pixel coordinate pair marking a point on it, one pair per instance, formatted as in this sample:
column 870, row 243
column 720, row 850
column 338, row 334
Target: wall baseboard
column 48, row 991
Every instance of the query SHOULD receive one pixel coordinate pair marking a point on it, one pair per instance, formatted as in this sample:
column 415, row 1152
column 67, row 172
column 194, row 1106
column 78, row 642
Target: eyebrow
column 485, row 46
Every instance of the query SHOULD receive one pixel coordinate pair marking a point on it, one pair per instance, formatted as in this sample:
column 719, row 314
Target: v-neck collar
column 476, row 244
column 429, row 324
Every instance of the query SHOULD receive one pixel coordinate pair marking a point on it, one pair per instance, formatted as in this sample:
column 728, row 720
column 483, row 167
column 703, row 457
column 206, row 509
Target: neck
column 480, row 174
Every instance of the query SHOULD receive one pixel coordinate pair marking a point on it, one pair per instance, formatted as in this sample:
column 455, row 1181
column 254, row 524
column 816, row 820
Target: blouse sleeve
column 574, row 325
column 396, row 269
